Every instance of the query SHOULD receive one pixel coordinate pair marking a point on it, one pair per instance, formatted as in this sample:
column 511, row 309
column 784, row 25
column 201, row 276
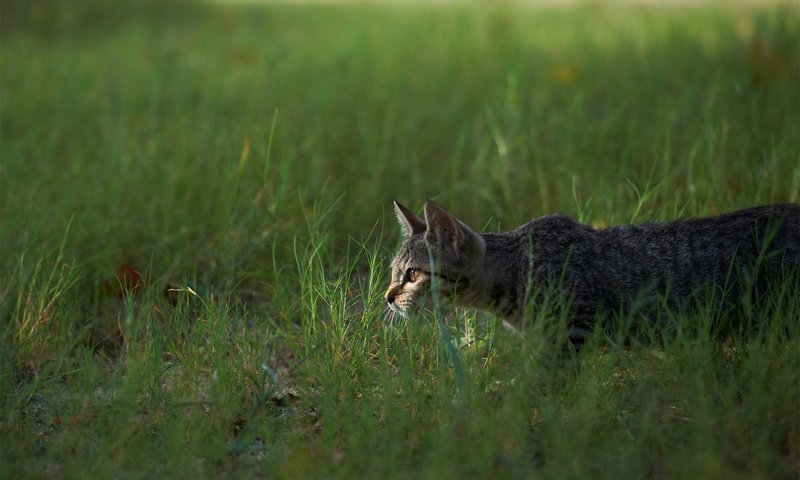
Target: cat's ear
column 445, row 231
column 409, row 221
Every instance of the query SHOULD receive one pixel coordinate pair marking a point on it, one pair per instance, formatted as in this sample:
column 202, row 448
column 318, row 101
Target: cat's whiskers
column 390, row 315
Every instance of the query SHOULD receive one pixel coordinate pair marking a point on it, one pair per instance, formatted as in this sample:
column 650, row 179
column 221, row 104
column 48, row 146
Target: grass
column 195, row 224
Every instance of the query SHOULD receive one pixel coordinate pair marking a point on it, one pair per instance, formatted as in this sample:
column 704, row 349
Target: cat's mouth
column 421, row 304
column 395, row 309
column 394, row 315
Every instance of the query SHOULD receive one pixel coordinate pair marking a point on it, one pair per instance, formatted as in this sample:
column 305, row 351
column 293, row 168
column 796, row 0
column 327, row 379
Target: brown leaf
column 130, row 280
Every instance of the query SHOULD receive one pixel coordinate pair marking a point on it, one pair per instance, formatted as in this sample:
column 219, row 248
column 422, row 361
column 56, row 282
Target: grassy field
column 196, row 224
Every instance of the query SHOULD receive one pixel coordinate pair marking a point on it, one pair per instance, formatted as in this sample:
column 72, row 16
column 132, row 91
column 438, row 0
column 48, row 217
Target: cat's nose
column 390, row 298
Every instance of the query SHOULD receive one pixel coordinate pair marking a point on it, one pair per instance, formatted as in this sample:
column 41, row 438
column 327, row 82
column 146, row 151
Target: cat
column 597, row 271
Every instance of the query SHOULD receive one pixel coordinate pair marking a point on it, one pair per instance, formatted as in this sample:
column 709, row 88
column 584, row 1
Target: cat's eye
column 412, row 275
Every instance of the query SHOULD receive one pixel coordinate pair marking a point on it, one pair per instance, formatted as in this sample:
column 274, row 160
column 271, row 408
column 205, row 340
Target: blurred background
column 196, row 223
column 208, row 135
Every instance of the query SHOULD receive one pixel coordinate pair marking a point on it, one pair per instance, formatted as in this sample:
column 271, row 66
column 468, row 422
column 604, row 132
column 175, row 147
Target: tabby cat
column 596, row 271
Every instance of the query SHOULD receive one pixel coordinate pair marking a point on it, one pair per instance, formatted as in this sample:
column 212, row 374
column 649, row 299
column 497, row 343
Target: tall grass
column 195, row 227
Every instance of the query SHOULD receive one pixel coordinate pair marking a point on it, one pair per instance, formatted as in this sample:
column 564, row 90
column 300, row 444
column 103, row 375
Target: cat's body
column 594, row 271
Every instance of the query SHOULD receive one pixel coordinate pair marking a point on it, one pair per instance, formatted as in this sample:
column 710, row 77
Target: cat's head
column 457, row 252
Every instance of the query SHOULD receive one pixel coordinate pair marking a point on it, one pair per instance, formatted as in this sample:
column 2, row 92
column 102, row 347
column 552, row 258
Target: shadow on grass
column 87, row 19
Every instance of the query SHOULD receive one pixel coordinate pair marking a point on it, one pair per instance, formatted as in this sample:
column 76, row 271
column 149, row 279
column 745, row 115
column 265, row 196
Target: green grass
column 243, row 160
